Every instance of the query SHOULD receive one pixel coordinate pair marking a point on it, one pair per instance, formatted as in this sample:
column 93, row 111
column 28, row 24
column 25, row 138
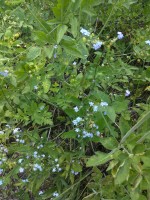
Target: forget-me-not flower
column 97, row 45
column 127, row 93
column 120, row 35
column 147, row 42
column 85, row 32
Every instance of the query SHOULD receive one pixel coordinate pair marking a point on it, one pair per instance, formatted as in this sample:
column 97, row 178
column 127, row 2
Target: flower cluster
column 87, row 134
column 4, row 73
column 97, row 45
column 77, row 120
column 37, row 167
column 57, row 168
column 73, row 172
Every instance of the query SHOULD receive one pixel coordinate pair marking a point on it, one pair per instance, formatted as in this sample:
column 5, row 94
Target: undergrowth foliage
column 74, row 99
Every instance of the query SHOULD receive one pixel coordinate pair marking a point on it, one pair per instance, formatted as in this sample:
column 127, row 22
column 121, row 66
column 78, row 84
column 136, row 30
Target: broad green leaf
column 33, row 53
column 123, row 172
column 74, row 26
column 109, row 143
column 111, row 113
column 69, row 134
column 61, row 30
column 46, row 85
column 48, row 51
column 98, row 159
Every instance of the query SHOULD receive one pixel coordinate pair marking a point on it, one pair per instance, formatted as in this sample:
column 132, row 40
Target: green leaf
column 98, row 159
column 48, row 51
column 61, row 30
column 69, row 134
column 111, row 113
column 109, row 143
column 123, row 125
column 74, row 26
column 123, row 172
column 33, row 53
column 46, row 85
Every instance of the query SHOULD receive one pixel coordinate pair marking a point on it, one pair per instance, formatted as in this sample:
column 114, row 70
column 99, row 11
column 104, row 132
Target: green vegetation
column 74, row 99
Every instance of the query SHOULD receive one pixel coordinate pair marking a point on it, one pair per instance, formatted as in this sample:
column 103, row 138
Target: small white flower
column 59, row 169
column 147, row 42
column 103, row 104
column 76, row 109
column 91, row 103
column 22, row 141
column 35, row 87
column 25, row 180
column 55, row 194
column 42, row 107
column 98, row 133
column 20, row 160
column 78, row 119
column 127, row 93
column 41, row 192
column 120, row 35
column 85, row 32
column 7, row 125
column 1, row 132
column 74, row 63
column 77, row 130
column 95, row 108
column 54, row 169
column 56, row 159
column 97, row 45
column 1, row 171
column 1, row 162
column 21, row 170
column 16, row 130
column 1, row 182
column 55, row 46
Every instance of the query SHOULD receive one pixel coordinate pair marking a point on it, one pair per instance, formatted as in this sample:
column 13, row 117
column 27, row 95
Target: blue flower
column 120, row 35
column 76, row 109
column 95, row 108
column 21, row 170
column 55, row 194
column 103, row 104
column 1, row 182
column 4, row 73
column 127, row 93
column 85, row 32
column 147, row 42
column 91, row 103
column 35, row 87
column 41, row 192
column 97, row 45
